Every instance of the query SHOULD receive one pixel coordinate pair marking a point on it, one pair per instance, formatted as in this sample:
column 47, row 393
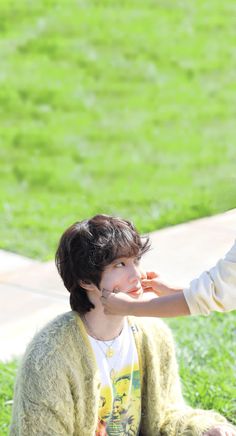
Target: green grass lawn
column 7, row 378
column 128, row 108
column 119, row 107
column 207, row 354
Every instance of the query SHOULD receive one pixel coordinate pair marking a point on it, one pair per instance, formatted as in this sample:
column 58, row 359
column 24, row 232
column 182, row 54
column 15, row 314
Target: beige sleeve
column 214, row 290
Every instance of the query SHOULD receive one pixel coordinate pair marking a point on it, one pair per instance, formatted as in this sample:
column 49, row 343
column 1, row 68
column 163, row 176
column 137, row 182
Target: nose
column 135, row 273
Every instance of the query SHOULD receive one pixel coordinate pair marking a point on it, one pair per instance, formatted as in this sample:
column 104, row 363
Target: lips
column 135, row 292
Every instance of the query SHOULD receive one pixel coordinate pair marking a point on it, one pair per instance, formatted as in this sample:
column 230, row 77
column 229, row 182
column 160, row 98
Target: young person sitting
column 87, row 373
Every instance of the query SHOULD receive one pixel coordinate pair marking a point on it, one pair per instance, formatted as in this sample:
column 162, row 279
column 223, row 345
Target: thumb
column 105, row 293
column 152, row 275
column 148, row 282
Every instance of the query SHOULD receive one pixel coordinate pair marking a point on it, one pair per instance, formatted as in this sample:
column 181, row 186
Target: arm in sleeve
column 214, row 290
column 43, row 403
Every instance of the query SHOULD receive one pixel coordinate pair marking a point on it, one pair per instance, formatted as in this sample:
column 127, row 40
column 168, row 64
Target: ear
column 88, row 286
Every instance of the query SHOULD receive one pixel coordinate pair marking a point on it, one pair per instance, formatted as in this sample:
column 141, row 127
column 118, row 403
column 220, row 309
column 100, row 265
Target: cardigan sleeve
column 164, row 411
column 43, row 404
column 214, row 290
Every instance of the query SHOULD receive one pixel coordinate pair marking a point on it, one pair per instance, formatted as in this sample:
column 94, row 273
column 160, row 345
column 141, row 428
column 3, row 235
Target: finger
column 105, row 293
column 152, row 275
column 147, row 283
column 103, row 300
column 149, row 289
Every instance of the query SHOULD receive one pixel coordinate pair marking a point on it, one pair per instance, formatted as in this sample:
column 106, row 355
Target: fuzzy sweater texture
column 57, row 387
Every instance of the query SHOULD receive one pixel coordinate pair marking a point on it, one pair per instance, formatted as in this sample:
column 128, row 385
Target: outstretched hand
column 153, row 284
column 122, row 304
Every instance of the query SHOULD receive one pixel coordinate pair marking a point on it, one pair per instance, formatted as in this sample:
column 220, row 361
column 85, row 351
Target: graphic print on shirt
column 120, row 404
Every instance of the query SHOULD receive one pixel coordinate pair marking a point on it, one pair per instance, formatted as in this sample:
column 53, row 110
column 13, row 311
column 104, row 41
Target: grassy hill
column 126, row 108
column 118, row 107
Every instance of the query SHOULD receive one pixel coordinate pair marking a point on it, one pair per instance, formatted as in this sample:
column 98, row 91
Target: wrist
column 176, row 289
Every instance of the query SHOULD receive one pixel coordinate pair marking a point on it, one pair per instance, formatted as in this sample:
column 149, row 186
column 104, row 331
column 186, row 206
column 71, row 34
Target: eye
column 119, row 264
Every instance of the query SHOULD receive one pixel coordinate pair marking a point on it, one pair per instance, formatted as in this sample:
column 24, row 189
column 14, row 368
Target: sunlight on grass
column 207, row 361
column 7, row 378
column 114, row 107
column 126, row 108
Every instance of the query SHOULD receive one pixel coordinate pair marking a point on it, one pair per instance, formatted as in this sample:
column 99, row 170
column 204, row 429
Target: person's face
column 123, row 275
column 116, row 407
column 122, row 386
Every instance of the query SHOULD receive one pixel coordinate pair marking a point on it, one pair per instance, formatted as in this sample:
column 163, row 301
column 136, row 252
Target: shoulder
column 57, row 328
column 52, row 340
column 44, row 375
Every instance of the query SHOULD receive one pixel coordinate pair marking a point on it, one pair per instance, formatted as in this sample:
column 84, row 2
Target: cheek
column 108, row 280
column 116, row 279
column 121, row 284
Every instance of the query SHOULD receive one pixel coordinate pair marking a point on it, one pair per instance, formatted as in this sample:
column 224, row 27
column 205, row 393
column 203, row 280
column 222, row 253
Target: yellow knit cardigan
column 57, row 388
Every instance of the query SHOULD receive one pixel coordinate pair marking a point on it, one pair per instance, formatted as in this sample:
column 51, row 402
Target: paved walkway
column 31, row 292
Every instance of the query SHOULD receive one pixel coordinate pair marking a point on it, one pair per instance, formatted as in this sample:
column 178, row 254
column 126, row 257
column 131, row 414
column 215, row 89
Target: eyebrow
column 118, row 259
column 125, row 257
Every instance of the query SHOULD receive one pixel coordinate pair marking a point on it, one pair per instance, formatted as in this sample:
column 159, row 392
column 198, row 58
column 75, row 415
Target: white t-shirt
column 120, row 395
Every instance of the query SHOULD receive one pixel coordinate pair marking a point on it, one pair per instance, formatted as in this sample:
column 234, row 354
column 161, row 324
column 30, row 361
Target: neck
column 102, row 326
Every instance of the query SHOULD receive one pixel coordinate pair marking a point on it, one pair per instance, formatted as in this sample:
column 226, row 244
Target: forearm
column 40, row 420
column 164, row 307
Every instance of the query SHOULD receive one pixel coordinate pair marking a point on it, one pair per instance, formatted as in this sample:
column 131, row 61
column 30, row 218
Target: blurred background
column 127, row 108
column 120, row 107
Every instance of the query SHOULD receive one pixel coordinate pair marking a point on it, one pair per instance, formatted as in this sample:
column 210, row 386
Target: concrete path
column 31, row 292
